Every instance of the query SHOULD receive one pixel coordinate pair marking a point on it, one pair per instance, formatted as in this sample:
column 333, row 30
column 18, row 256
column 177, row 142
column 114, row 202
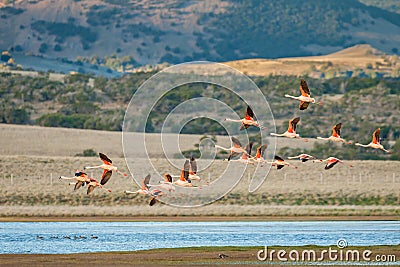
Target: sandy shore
column 195, row 218
column 194, row 256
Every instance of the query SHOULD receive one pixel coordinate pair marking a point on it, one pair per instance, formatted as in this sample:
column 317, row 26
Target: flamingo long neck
column 217, row 146
column 275, row 134
column 358, row 144
column 227, row 119
column 93, row 167
column 290, row 96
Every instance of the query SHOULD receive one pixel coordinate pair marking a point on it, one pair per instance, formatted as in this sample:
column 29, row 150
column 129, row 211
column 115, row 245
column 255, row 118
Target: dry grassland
column 29, row 184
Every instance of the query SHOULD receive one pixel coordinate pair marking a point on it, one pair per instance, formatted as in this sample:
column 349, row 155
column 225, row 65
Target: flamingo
column 165, row 185
column 235, row 150
column 303, row 157
column 248, row 120
column 245, row 155
column 93, row 184
column 376, row 141
column 259, row 155
column 144, row 190
column 184, row 180
column 291, row 131
column 280, row 163
column 192, row 171
column 331, row 161
column 80, row 177
column 335, row 137
column 305, row 97
column 107, row 167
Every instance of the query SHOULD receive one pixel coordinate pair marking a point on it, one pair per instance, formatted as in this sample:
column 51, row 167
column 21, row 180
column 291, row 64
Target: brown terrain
column 33, row 158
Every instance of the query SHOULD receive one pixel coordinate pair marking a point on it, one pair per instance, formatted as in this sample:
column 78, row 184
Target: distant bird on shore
column 335, row 137
column 248, row 120
column 80, row 177
column 107, row 167
column 93, row 184
column 331, row 161
column 235, row 150
column 305, row 97
column 291, row 131
column 303, row 157
column 376, row 141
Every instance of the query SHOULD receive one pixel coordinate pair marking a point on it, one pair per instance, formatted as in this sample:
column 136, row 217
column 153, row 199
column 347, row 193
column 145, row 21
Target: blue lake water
column 75, row 237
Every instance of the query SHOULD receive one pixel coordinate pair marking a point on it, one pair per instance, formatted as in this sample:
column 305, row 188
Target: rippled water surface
column 76, row 237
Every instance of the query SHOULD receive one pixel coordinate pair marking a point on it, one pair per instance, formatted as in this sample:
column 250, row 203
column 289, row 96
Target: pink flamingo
column 245, row 155
column 248, row 120
column 376, row 141
column 331, row 161
column 291, row 131
column 80, row 177
column 305, row 97
column 335, row 137
column 107, row 167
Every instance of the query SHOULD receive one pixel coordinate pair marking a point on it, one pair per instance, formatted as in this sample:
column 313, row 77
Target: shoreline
column 196, row 256
column 194, row 218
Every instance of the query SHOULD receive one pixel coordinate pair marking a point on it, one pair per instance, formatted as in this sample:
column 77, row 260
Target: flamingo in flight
column 245, row 155
column 376, row 141
column 335, row 137
column 291, row 131
column 107, row 167
column 93, row 184
column 305, row 97
column 303, row 157
column 331, row 161
column 235, row 150
column 165, row 185
column 80, row 177
column 248, row 120
column 280, row 163
column 259, row 155
column 145, row 190
column 192, row 171
column 184, row 180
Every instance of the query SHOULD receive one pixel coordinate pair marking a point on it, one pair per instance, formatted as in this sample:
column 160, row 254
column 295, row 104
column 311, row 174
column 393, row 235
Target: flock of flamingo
column 189, row 170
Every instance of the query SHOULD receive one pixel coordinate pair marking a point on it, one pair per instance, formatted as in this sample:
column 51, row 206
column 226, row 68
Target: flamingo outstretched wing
column 249, row 113
column 304, row 105
column 336, row 130
column 193, row 165
column 105, row 159
column 305, row 91
column 376, row 136
column 292, row 124
column 105, row 177
column 260, row 151
column 145, row 182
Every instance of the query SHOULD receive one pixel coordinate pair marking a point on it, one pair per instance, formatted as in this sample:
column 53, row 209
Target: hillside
column 151, row 32
column 356, row 61
column 86, row 102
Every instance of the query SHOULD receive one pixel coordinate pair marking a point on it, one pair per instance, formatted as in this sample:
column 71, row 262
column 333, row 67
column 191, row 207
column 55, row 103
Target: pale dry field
column 357, row 57
column 33, row 158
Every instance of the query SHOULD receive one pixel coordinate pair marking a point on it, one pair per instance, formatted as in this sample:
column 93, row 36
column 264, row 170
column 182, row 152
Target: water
column 51, row 237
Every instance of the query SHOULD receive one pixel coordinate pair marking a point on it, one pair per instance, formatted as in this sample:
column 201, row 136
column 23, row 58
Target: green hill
column 151, row 32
